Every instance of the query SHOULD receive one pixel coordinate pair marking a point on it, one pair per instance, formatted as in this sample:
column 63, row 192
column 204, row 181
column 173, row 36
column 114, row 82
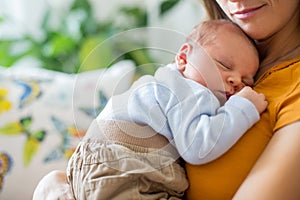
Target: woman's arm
column 276, row 175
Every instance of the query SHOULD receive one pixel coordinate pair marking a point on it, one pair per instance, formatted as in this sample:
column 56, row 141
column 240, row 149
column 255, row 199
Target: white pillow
column 43, row 115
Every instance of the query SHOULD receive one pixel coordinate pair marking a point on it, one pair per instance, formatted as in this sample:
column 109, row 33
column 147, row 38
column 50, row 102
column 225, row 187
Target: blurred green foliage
column 66, row 50
column 167, row 5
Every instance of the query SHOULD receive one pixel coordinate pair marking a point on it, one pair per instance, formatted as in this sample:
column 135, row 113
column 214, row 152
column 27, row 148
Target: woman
column 265, row 163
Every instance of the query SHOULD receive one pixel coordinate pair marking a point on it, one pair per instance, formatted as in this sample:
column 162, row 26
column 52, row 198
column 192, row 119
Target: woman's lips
column 246, row 13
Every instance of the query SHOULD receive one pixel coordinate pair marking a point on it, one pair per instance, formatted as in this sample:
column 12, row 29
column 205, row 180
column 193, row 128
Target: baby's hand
column 257, row 99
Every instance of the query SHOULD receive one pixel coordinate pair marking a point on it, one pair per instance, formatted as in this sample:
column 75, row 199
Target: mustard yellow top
column 220, row 179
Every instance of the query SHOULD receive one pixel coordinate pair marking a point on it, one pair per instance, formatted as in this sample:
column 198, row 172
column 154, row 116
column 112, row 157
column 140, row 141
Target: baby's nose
column 236, row 84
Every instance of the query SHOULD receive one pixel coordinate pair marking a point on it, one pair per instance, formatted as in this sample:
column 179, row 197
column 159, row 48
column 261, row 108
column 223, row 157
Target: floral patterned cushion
column 43, row 115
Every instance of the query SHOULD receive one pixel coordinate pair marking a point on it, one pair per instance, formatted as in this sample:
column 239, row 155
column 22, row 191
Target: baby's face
column 236, row 60
column 225, row 65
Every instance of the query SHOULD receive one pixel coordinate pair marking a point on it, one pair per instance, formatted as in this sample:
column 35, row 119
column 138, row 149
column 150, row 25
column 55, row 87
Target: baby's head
column 229, row 49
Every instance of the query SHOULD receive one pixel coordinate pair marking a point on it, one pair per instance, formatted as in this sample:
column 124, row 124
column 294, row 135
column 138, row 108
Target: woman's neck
column 281, row 46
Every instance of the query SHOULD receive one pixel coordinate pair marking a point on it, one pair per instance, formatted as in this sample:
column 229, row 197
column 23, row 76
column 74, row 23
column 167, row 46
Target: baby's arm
column 203, row 137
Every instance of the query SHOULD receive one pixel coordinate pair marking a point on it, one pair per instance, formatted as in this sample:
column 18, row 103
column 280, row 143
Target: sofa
column 44, row 114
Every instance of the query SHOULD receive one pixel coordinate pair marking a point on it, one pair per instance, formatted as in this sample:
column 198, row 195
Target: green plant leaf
column 63, row 49
column 59, row 45
column 6, row 58
column 95, row 53
column 140, row 15
column 167, row 5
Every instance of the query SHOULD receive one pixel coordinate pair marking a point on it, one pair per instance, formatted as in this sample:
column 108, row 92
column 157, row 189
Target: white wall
column 25, row 16
column 175, row 24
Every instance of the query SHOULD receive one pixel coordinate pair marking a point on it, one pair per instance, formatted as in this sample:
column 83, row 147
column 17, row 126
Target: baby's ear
column 185, row 50
column 181, row 57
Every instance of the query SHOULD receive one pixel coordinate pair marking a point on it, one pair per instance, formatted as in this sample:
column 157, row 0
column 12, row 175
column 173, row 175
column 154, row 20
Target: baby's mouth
column 225, row 94
column 228, row 95
column 222, row 93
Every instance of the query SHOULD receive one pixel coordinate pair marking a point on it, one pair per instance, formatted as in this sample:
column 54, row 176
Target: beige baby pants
column 113, row 165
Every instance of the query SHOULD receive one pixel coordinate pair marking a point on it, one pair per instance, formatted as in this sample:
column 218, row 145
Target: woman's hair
column 213, row 10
